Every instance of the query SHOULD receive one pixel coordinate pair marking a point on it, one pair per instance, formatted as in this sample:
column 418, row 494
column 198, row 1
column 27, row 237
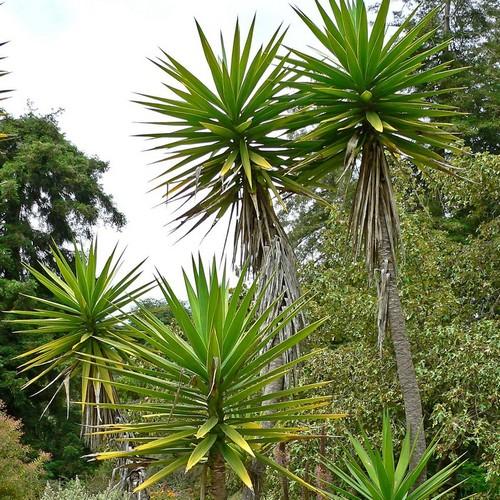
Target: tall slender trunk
column 402, row 350
column 447, row 12
column 274, row 261
column 375, row 227
column 217, row 487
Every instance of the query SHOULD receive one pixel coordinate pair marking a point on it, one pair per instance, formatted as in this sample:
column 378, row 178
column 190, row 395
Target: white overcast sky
column 89, row 57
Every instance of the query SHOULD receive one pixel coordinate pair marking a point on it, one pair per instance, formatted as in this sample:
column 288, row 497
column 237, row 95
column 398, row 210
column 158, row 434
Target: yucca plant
column 362, row 88
column 202, row 388
column 226, row 142
column 378, row 475
column 85, row 309
column 222, row 139
column 226, row 155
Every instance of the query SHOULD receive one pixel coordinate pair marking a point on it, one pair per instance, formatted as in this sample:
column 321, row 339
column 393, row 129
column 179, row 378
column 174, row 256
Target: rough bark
column 405, row 368
column 375, row 228
column 217, row 487
column 275, row 264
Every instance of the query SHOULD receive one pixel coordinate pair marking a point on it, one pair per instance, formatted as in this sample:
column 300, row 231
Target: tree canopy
column 50, row 194
column 474, row 30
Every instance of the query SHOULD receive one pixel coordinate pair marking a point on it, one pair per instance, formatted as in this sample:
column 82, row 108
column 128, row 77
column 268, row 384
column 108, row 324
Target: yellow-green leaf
column 388, row 127
column 157, row 443
column 207, row 427
column 217, row 129
column 375, row 121
column 172, row 467
column 260, row 161
column 111, row 455
column 237, row 438
column 366, row 96
column 243, row 126
column 245, row 158
column 228, row 164
column 200, row 451
column 234, row 461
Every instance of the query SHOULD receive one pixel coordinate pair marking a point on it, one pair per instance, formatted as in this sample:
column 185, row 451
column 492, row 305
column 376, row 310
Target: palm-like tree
column 366, row 110
column 224, row 149
column 86, row 308
column 204, row 385
column 227, row 157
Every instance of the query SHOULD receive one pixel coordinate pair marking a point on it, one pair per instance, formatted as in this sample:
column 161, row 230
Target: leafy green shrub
column 449, row 296
column 21, row 473
column 76, row 490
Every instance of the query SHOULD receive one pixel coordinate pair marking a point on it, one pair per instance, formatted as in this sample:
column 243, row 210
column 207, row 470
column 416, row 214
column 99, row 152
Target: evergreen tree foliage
column 474, row 29
column 50, row 193
column 450, row 276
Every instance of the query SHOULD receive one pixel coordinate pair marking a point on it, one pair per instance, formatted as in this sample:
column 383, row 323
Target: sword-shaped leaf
column 214, row 406
column 85, row 312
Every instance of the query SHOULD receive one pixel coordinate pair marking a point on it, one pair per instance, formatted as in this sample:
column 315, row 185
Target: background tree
column 159, row 308
column 364, row 112
column 450, row 277
column 49, row 191
column 473, row 26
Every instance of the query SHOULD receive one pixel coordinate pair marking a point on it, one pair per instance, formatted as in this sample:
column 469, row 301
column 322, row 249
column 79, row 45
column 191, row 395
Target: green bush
column 21, row 472
column 76, row 490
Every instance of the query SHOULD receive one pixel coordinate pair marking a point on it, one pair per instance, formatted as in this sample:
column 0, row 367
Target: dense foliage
column 50, row 193
column 474, row 29
column 21, row 470
column 450, row 276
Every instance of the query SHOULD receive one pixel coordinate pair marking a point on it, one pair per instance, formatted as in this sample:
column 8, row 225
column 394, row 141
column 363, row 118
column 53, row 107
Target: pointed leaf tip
column 375, row 121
